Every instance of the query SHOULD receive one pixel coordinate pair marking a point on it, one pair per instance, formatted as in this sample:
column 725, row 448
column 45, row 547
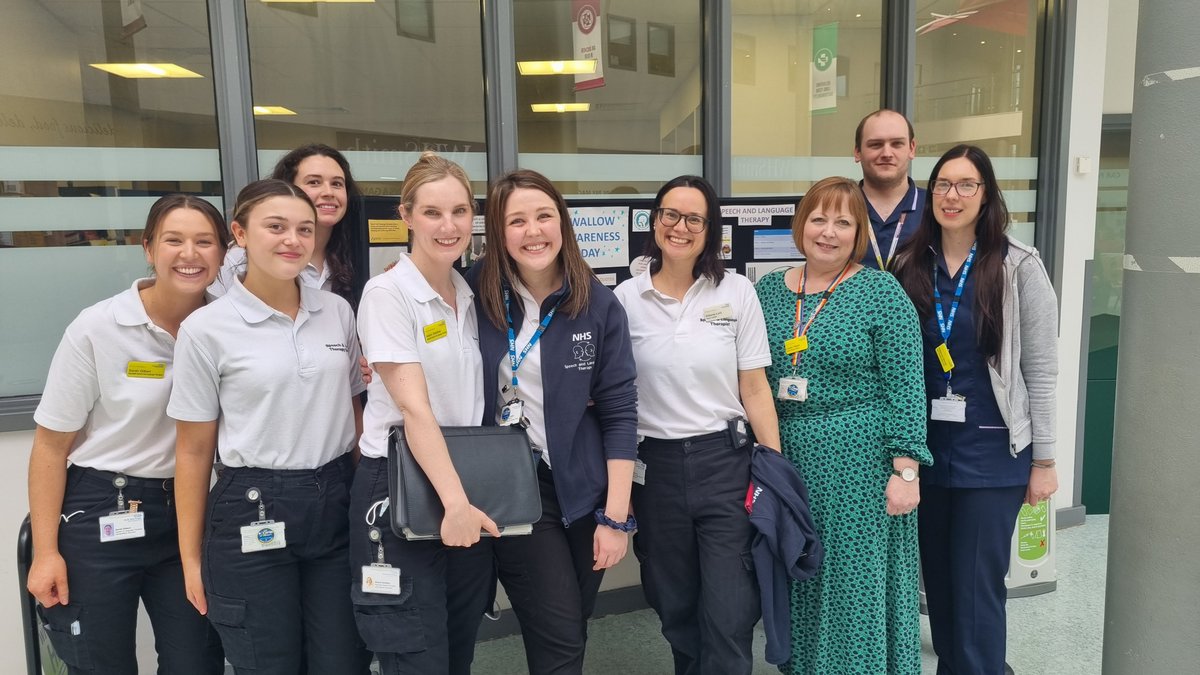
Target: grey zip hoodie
column 1025, row 373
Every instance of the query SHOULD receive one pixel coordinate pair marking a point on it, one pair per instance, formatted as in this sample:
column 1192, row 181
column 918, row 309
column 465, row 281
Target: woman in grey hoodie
column 990, row 325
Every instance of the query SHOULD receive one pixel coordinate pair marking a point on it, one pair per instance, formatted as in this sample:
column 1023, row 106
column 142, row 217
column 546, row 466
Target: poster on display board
column 603, row 234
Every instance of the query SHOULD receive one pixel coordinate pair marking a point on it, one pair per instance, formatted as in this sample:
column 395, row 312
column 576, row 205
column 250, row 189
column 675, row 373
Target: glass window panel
column 84, row 153
column 804, row 73
column 381, row 81
column 976, row 82
column 641, row 128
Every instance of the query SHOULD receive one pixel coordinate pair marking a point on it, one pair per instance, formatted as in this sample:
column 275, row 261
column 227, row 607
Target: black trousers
column 430, row 628
column 966, row 541
column 549, row 580
column 95, row 632
column 284, row 610
column 693, row 543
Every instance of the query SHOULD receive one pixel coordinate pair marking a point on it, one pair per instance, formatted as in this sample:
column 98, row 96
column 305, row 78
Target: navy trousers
column 284, row 611
column 966, row 540
column 693, row 543
column 549, row 579
column 431, row 626
column 95, row 632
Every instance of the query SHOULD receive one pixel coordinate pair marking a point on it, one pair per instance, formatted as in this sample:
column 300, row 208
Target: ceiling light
column 313, row 1
column 561, row 107
column 557, row 67
column 145, row 70
column 272, row 110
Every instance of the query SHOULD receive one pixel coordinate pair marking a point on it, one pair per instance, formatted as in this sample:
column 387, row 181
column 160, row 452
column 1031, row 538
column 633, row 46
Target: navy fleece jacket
column 785, row 543
column 587, row 358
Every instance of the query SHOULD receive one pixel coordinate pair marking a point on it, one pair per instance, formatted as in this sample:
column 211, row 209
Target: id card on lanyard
column 513, row 411
column 951, row 407
column 794, row 387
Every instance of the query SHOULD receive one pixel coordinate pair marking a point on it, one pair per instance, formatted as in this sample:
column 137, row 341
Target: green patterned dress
column 866, row 405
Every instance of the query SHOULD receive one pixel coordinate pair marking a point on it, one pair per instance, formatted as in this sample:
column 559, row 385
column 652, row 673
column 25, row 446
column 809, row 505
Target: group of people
column 634, row 401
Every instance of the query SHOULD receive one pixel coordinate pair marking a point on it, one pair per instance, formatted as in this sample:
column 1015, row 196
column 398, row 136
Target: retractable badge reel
column 123, row 523
column 262, row 534
column 379, row 577
column 794, row 387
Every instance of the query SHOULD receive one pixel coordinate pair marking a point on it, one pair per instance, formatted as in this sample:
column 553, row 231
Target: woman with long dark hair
column 323, row 173
column 990, row 323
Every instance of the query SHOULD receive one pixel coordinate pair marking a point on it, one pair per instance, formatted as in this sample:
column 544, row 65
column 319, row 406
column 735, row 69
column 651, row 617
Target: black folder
column 498, row 470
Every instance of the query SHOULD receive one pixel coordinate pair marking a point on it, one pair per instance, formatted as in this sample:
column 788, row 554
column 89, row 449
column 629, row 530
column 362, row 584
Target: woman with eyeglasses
column 990, row 323
column 700, row 343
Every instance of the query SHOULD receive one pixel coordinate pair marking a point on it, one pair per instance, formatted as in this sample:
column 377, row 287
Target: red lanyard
column 802, row 334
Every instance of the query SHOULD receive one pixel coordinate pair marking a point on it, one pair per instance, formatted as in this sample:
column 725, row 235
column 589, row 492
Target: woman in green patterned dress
column 846, row 359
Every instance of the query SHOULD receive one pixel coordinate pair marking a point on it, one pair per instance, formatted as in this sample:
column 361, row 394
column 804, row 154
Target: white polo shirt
column 280, row 389
column 110, row 380
column 529, row 373
column 235, row 266
column 689, row 353
column 401, row 319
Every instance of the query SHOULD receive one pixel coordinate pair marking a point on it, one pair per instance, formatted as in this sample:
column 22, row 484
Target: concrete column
column 1152, row 607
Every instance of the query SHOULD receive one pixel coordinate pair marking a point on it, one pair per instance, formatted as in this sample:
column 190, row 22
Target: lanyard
column 884, row 264
column 946, row 325
column 803, row 333
column 513, row 359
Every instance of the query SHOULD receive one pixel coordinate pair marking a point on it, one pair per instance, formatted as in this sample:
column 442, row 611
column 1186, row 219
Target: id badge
column 511, row 413
column 639, row 472
column 263, row 535
column 382, row 579
column 948, row 409
column 793, row 389
column 120, row 525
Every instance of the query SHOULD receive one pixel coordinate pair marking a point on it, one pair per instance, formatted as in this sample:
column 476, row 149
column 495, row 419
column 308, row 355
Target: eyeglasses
column 671, row 217
column 966, row 188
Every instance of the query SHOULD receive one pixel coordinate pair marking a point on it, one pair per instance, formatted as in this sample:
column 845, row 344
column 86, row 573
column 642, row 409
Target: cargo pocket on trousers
column 65, row 626
column 389, row 623
column 228, row 617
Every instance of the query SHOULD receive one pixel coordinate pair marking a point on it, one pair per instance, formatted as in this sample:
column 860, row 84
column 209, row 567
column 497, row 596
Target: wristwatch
column 908, row 474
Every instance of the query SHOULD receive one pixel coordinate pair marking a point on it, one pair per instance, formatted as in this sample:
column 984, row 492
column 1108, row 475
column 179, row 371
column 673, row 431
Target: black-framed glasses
column 670, row 217
column 964, row 188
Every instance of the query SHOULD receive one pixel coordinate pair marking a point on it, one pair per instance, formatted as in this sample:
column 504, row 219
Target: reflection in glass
column 97, row 120
column 804, row 73
column 642, row 125
column 382, row 82
column 975, row 83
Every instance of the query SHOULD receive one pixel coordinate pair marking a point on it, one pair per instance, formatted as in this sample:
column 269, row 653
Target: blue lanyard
column 513, row 359
column 947, row 325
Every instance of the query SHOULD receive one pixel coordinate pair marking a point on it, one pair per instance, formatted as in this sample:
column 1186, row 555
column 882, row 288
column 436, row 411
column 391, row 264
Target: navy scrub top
column 913, row 204
column 974, row 454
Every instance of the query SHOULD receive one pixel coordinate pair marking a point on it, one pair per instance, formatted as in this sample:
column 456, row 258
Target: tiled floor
column 1057, row 633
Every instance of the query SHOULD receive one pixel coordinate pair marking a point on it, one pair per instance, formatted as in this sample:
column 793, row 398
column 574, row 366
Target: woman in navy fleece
column 557, row 358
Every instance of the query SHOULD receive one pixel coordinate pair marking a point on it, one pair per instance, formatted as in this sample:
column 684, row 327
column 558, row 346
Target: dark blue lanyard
column 947, row 325
column 513, row 359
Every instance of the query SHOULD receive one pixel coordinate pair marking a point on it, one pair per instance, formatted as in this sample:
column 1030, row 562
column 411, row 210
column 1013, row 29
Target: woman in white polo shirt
column 269, row 373
column 104, row 444
column 419, row 333
column 700, row 344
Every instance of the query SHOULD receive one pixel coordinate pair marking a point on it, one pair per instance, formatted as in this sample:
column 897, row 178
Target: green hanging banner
column 823, row 69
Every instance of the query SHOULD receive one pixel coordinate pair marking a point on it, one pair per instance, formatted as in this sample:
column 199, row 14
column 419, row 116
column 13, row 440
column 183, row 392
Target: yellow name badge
column 146, row 370
column 943, row 354
column 435, row 331
column 796, row 344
